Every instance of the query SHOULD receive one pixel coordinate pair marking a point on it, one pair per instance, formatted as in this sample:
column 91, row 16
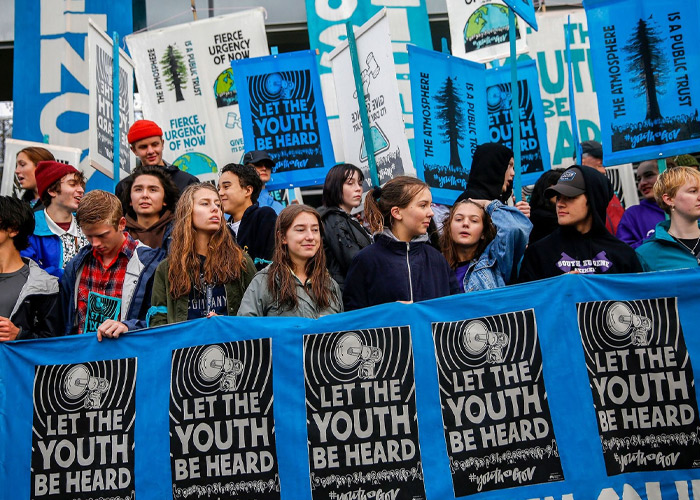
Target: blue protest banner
column 647, row 78
column 282, row 111
column 533, row 131
column 525, row 9
column 488, row 394
column 51, row 70
column 449, row 105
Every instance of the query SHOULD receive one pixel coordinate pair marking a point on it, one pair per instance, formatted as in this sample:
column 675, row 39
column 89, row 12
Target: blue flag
column 282, row 111
column 450, row 119
column 525, row 9
column 646, row 67
column 534, row 151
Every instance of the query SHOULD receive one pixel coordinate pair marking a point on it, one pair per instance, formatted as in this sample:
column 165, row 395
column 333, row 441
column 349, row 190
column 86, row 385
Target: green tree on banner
column 175, row 71
column 645, row 60
column 449, row 112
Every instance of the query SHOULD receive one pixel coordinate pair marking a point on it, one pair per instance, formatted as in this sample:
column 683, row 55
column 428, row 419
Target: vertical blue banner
column 524, row 9
column 51, row 69
column 645, row 63
column 533, row 131
column 282, row 112
column 449, row 106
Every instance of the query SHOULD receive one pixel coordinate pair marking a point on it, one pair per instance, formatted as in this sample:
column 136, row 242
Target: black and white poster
column 83, row 431
column 361, row 415
column 495, row 412
column 642, row 385
column 222, row 429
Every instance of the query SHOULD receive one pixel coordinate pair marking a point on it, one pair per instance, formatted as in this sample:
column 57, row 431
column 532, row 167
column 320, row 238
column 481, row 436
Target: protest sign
column 487, row 394
column 101, row 151
column 100, row 308
column 186, row 85
column 525, row 9
column 646, row 76
column 408, row 24
column 533, row 131
column 51, row 77
column 10, row 186
column 282, row 112
column 449, row 99
column 479, row 30
column 382, row 99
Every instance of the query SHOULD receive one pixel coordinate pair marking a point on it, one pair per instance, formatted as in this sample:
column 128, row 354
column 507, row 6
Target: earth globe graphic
column 225, row 87
column 488, row 17
column 273, row 83
column 196, row 164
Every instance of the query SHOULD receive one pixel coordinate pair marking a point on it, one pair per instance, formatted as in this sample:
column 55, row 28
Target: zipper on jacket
column 408, row 264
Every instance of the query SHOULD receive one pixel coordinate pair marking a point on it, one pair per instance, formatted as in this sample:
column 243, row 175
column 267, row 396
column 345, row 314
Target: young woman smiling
column 343, row 235
column 676, row 242
column 639, row 221
column 297, row 282
column 482, row 240
column 206, row 273
column 400, row 265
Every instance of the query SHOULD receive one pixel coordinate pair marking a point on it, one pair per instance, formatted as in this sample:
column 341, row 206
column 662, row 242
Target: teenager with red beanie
column 146, row 141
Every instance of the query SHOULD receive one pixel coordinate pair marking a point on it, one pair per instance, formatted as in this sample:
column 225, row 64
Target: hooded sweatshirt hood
column 599, row 192
column 488, row 171
column 151, row 236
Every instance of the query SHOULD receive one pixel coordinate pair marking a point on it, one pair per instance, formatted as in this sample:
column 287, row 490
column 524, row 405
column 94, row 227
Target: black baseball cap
column 570, row 184
column 592, row 148
column 253, row 157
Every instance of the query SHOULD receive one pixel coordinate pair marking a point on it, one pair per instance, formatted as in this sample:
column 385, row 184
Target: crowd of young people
column 169, row 249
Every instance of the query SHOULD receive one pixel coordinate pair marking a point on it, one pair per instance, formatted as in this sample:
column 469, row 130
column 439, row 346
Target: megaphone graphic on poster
column 477, row 338
column 79, row 383
column 622, row 321
column 214, row 364
column 351, row 351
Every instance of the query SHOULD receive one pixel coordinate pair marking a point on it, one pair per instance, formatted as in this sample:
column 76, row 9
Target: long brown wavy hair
column 398, row 192
column 224, row 262
column 280, row 281
column 448, row 245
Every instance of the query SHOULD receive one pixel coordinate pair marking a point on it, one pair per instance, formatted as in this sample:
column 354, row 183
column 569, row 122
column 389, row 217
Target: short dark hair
column 333, row 185
column 46, row 198
column 172, row 193
column 17, row 215
column 247, row 176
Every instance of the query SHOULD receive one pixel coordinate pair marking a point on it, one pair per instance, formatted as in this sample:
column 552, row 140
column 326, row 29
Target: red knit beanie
column 48, row 172
column 142, row 129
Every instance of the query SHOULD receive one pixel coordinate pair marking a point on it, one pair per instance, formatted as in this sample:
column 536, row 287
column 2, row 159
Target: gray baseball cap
column 570, row 184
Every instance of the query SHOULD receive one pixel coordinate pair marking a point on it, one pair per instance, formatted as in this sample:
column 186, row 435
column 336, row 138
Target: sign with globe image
column 198, row 164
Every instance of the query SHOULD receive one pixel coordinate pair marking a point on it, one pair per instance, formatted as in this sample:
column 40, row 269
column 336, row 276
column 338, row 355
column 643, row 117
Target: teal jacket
column 662, row 252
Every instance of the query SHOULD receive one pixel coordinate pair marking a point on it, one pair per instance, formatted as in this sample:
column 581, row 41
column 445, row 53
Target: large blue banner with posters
column 489, row 394
column 533, row 131
column 282, row 112
column 645, row 63
column 50, row 79
column 450, row 119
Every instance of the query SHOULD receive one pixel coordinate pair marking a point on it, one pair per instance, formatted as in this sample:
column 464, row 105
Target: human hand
column 524, row 208
column 8, row 330
column 111, row 329
column 210, row 314
column 481, row 203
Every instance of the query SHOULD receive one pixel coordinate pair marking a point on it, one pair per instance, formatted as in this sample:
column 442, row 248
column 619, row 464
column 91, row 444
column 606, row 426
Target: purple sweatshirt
column 639, row 221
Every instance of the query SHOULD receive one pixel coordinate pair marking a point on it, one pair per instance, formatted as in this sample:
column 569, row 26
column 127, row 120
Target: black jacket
column 343, row 238
column 180, row 179
column 391, row 270
column 487, row 173
column 256, row 234
column 37, row 312
column 596, row 251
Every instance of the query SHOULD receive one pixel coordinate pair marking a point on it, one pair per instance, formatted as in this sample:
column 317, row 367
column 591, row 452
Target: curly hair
column 225, row 261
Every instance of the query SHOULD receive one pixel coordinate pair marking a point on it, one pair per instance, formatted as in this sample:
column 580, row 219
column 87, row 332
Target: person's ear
column 122, row 225
column 668, row 200
column 248, row 191
column 396, row 213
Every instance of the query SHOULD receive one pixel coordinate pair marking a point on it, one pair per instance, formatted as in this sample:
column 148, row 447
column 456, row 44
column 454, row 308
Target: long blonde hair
column 224, row 262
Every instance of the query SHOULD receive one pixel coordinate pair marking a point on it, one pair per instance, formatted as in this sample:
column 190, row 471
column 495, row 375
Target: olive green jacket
column 177, row 308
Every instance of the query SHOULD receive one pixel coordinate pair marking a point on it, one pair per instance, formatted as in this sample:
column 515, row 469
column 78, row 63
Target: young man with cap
column 254, row 226
column 146, row 141
column 581, row 244
column 57, row 237
column 592, row 156
column 29, row 305
column 263, row 166
column 106, row 288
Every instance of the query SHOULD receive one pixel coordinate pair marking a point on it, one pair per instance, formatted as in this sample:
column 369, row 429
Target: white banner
column 479, row 30
column 382, row 97
column 101, row 130
column 186, row 84
column 10, row 186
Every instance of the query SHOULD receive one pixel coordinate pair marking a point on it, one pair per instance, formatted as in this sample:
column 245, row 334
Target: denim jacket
column 495, row 265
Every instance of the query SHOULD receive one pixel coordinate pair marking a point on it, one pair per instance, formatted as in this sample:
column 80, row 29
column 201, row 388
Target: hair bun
column 377, row 192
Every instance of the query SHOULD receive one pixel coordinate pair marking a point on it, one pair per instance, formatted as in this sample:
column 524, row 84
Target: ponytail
column 398, row 192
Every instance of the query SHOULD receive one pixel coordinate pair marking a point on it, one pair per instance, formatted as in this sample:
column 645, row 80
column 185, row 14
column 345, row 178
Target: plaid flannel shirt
column 107, row 280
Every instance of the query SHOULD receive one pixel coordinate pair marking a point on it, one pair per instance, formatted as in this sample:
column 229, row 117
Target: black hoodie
column 566, row 249
column 488, row 171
